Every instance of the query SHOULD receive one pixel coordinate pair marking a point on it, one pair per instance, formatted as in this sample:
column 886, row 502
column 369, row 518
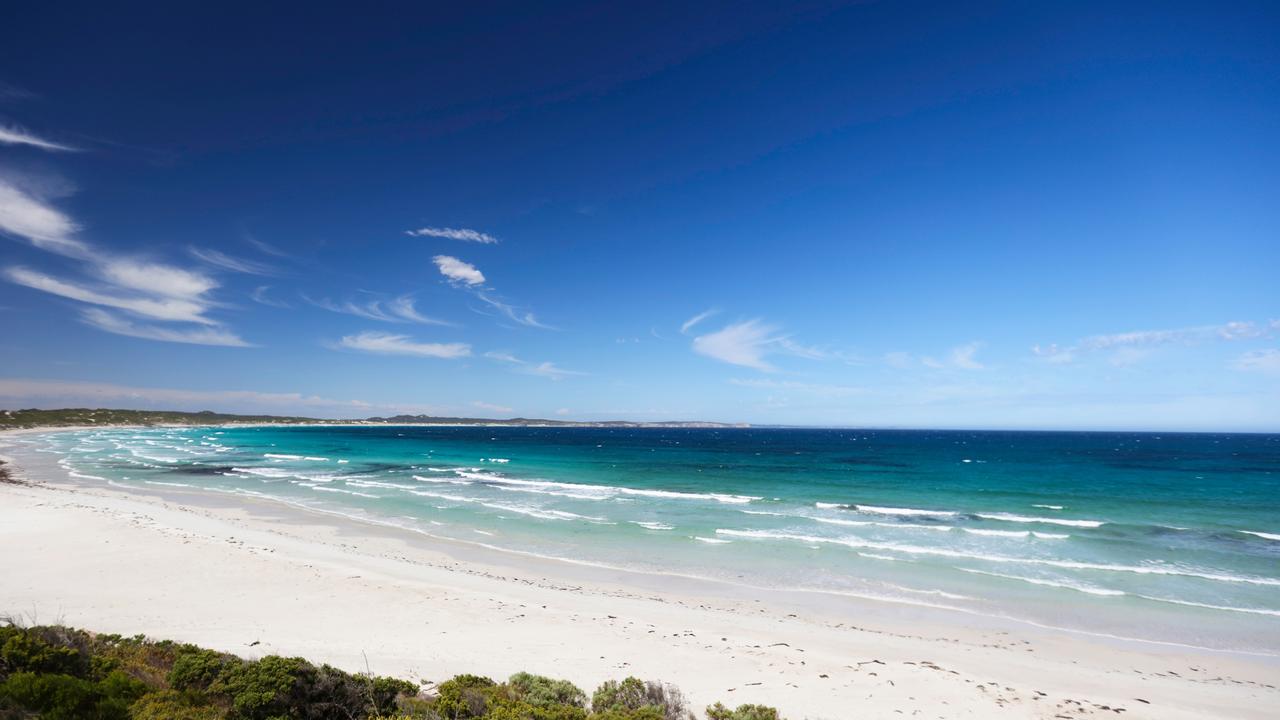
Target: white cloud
column 464, row 234
column 464, row 275
column 399, row 309
column 108, row 322
column 391, row 344
column 963, row 356
column 155, row 278
column 13, row 135
column 1266, row 361
column 550, row 371
column 511, row 313
column 1125, row 347
column 503, row 357
column 145, row 288
column 545, row 369
column 259, row 295
column 222, row 260
column 563, row 411
column 171, row 309
column 742, row 343
column 25, row 216
column 688, row 324
column 1053, row 354
column 491, row 407
column 457, row 271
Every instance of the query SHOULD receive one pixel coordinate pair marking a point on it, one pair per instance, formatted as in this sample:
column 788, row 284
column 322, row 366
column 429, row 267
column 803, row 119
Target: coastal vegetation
column 62, row 673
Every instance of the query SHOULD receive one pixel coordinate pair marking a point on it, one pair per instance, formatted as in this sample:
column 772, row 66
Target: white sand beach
column 261, row 579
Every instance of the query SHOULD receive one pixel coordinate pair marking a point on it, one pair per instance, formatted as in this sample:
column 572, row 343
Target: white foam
column 652, row 525
column 1049, row 507
column 1007, row 517
column 347, row 492
column 265, row 472
column 1265, row 536
column 874, row 556
column 827, row 506
column 1228, row 608
column 712, row 541
column 281, row 456
column 170, row 484
column 903, row 511
column 602, row 492
column 1049, row 583
column 84, row 476
column 999, row 533
column 447, row 481
column 945, row 552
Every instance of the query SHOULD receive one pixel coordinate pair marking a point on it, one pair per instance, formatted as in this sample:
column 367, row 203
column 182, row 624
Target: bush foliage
column 58, row 673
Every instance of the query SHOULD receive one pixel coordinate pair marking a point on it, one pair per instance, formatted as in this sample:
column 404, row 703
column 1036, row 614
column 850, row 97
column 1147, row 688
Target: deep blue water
column 1168, row 537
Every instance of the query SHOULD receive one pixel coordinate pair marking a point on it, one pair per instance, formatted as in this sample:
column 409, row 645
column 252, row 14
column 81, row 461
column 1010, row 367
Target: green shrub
column 63, row 697
column 465, row 696
column 259, row 690
column 541, row 691
column 649, row 712
column 174, row 705
column 744, row 712
column 197, row 669
column 25, row 651
column 633, row 694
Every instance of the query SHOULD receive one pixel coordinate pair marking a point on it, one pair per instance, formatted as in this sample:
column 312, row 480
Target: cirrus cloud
column 464, row 234
column 392, row 344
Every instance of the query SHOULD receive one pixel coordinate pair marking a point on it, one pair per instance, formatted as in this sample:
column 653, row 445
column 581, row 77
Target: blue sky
column 1036, row 215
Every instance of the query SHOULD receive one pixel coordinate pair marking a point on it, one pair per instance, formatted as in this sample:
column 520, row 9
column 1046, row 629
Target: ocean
column 1157, row 537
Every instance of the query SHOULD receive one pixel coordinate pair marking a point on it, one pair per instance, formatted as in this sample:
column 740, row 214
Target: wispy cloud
column 511, row 313
column 687, row 325
column 260, row 296
column 961, row 357
column 224, row 261
column 24, row 215
column 109, row 322
column 1124, row 345
column 742, row 343
column 544, row 369
column 165, row 308
column 391, row 344
column 747, row 342
column 398, row 310
column 551, row 371
column 458, row 271
column 13, row 135
column 1265, row 361
column 466, row 276
column 264, row 247
column 464, row 234
column 144, row 288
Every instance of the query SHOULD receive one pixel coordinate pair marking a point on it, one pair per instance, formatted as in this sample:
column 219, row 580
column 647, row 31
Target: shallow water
column 1164, row 537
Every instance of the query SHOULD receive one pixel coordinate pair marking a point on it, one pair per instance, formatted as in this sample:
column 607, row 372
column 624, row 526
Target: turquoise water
column 1164, row 537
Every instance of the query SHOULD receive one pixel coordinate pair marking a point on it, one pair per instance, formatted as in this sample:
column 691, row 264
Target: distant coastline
column 32, row 418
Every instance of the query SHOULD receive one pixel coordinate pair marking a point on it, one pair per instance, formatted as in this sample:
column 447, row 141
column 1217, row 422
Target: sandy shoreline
column 334, row 590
